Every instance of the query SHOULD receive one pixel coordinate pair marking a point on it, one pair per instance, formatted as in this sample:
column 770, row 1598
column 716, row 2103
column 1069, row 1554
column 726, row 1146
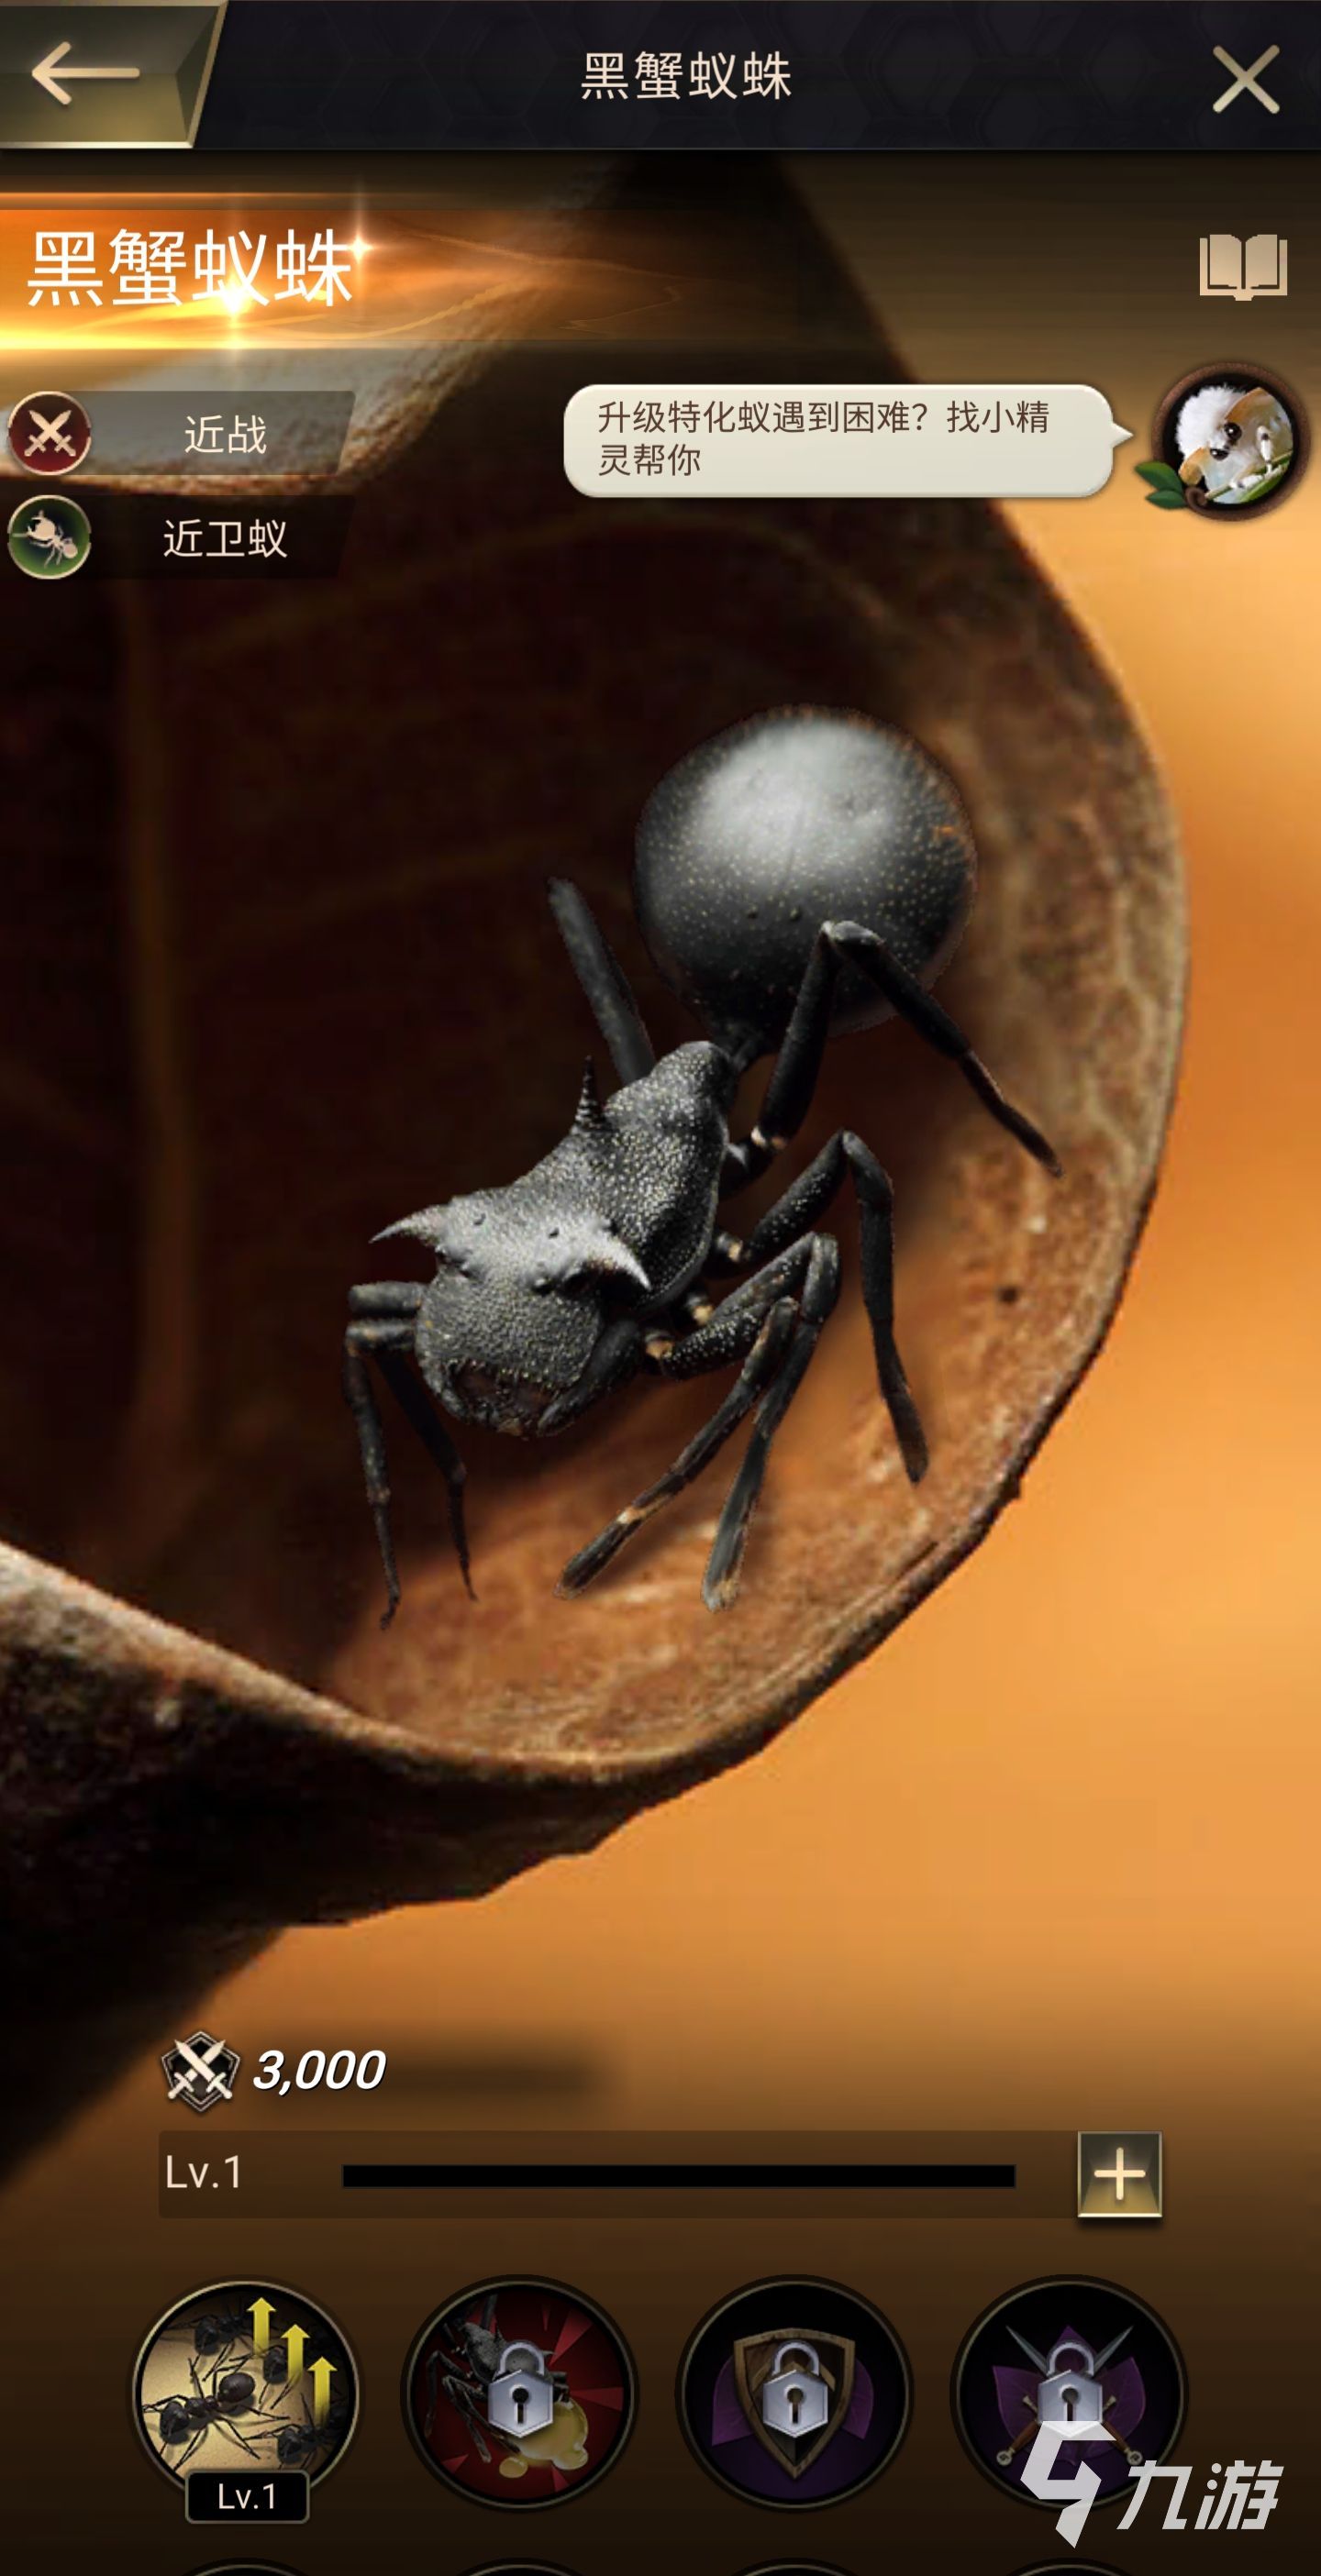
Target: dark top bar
column 681, row 2177
column 481, row 75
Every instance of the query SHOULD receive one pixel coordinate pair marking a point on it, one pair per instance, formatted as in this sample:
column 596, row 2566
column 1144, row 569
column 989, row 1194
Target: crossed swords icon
column 199, row 2063
column 52, row 435
column 1041, row 2363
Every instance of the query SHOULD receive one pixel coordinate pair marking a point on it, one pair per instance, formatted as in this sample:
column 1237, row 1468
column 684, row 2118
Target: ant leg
column 224, row 2426
column 743, row 1328
column 377, row 1298
column 803, row 1203
column 820, row 1292
column 416, row 1406
column 794, row 1075
column 387, row 1334
column 361, row 1401
column 729, row 1333
column 371, row 1306
column 905, row 995
column 763, row 1359
column 791, row 1215
column 874, row 1191
column 603, row 981
column 181, row 2464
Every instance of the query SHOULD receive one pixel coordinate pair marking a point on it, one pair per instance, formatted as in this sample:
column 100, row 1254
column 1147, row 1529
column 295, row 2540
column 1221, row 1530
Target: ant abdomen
column 786, row 821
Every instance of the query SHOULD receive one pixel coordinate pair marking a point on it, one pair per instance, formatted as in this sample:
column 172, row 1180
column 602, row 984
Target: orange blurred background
column 1080, row 1773
column 1048, row 1860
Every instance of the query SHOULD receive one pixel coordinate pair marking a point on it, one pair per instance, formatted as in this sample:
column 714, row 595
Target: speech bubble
column 855, row 442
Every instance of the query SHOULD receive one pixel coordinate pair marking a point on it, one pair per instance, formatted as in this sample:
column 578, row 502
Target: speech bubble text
column 860, row 442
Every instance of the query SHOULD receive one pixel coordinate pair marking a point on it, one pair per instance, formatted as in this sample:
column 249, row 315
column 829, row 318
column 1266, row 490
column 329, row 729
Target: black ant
column 298, row 2444
column 807, row 873
column 215, row 2336
column 190, row 2419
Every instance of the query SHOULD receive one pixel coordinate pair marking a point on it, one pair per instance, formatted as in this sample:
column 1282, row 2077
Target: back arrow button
column 45, row 73
column 108, row 75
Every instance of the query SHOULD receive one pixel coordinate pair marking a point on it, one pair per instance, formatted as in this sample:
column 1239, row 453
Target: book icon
column 1244, row 269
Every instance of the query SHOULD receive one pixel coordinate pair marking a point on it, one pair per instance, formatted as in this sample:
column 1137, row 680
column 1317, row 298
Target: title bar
column 670, row 75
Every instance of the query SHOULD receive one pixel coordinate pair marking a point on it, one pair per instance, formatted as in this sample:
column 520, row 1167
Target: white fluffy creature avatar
column 1229, row 439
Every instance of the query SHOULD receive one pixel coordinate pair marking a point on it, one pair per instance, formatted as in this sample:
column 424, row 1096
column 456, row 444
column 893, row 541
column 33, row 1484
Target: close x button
column 104, row 77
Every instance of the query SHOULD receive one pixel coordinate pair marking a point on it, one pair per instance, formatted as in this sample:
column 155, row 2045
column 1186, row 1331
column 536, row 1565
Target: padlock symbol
column 1070, row 2394
column 521, row 2397
column 795, row 2398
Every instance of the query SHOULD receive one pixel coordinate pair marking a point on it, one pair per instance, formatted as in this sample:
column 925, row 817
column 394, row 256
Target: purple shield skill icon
column 794, row 2393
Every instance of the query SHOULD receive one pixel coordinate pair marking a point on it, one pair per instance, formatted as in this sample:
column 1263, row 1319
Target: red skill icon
column 49, row 434
column 519, row 2392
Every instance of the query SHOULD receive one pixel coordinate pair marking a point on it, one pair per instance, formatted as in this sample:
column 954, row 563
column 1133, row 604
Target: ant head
column 523, row 1289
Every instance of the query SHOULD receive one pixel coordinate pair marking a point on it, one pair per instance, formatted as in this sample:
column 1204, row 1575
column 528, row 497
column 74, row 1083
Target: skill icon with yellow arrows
column 245, row 2369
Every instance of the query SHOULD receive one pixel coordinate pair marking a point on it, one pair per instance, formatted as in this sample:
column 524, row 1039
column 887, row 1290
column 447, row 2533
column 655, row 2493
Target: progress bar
column 680, row 2177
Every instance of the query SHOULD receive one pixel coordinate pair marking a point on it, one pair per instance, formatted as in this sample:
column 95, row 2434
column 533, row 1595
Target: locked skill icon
column 520, row 2393
column 795, row 2393
column 1080, row 2360
column 245, row 2373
